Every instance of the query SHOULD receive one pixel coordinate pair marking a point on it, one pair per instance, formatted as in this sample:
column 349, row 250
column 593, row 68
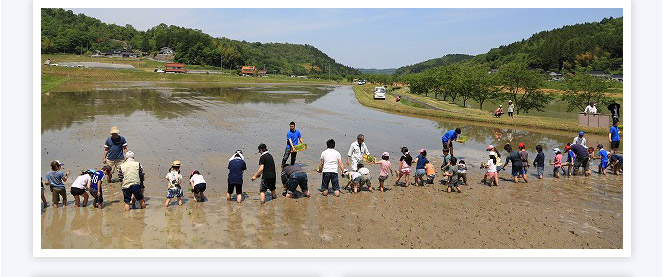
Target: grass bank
column 56, row 78
column 447, row 110
column 49, row 82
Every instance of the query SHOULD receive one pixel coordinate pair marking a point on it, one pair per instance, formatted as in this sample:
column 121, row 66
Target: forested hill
column 386, row 71
column 445, row 60
column 594, row 45
column 62, row 31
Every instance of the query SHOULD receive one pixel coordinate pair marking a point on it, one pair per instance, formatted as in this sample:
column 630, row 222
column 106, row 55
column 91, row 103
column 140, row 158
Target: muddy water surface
column 202, row 127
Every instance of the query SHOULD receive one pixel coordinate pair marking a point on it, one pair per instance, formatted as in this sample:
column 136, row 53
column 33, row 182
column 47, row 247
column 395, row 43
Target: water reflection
column 60, row 110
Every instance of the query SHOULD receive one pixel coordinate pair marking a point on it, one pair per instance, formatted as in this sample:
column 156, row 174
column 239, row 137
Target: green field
column 554, row 119
column 55, row 78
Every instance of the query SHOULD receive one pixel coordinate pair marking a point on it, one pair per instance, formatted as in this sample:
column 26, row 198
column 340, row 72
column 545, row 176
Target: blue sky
column 366, row 38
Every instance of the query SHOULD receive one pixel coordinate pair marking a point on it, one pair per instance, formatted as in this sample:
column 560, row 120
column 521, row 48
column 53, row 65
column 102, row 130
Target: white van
column 379, row 93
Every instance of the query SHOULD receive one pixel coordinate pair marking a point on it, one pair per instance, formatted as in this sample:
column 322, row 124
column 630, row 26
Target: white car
column 159, row 70
column 362, row 82
column 379, row 93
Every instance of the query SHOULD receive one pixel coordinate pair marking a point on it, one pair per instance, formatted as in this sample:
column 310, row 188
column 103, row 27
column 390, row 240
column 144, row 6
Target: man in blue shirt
column 114, row 150
column 293, row 137
column 614, row 136
column 447, row 139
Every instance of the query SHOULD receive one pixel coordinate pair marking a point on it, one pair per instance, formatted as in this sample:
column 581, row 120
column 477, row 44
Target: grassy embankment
column 56, row 78
column 457, row 112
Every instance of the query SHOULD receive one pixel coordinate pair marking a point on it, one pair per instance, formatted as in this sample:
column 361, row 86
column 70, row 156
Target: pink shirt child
column 384, row 167
column 558, row 160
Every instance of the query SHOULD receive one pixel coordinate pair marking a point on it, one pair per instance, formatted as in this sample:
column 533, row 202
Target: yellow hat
column 114, row 130
column 176, row 163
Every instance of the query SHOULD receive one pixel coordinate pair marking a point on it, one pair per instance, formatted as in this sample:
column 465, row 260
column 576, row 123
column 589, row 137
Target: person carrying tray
column 293, row 138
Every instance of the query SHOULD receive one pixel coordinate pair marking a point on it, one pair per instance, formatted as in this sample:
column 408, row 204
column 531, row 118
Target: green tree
column 584, row 89
column 523, row 87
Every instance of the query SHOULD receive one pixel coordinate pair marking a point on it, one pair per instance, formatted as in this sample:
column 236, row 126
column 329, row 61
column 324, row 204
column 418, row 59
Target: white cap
column 556, row 150
column 129, row 155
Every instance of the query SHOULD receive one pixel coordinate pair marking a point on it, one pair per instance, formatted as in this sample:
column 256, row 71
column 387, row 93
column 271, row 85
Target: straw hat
column 114, row 130
column 176, row 163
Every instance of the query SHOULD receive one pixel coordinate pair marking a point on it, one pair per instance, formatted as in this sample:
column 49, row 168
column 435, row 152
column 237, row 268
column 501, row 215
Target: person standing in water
column 268, row 172
column 114, row 150
column 357, row 151
column 293, row 137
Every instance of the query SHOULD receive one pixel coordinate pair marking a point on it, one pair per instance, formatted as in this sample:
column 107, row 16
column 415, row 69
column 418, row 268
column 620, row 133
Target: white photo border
column 625, row 5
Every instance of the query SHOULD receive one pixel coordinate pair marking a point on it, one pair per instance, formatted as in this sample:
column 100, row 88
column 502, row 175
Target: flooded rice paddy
column 202, row 127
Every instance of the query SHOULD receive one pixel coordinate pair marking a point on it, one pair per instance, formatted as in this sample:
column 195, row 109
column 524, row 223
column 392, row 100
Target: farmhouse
column 602, row 74
column 617, row 77
column 248, row 70
column 175, row 68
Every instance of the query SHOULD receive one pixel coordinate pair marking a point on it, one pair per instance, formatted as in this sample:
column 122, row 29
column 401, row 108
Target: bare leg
column 126, row 207
column 525, row 177
column 239, row 198
column 273, row 194
column 262, row 197
column 85, row 198
column 43, row 199
column 202, row 196
column 325, row 192
column 142, row 204
column 337, row 193
column 77, row 201
column 228, row 196
column 167, row 202
column 179, row 201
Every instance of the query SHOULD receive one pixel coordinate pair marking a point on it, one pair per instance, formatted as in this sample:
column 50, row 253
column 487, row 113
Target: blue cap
column 90, row 171
column 582, row 133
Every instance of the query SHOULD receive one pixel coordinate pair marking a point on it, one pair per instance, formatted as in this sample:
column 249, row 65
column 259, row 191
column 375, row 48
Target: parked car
column 159, row 70
column 379, row 93
column 361, row 82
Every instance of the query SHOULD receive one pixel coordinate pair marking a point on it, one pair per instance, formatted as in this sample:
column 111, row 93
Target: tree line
column 514, row 81
column 62, row 31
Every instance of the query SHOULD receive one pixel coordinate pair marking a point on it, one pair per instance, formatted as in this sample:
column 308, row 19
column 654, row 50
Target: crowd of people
column 120, row 162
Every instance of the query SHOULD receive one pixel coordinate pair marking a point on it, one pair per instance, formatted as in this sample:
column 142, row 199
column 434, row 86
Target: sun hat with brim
column 114, row 130
column 490, row 147
column 385, row 154
column 176, row 163
column 130, row 155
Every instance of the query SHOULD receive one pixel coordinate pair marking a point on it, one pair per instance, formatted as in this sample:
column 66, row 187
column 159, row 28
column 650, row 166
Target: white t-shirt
column 330, row 158
column 353, row 174
column 197, row 179
column 81, row 181
column 491, row 166
column 364, row 171
column 174, row 179
column 590, row 109
column 511, row 108
column 581, row 141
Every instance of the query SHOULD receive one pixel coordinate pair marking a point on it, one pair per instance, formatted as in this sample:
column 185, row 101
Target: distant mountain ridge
column 62, row 31
column 386, row 71
column 442, row 61
column 592, row 45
